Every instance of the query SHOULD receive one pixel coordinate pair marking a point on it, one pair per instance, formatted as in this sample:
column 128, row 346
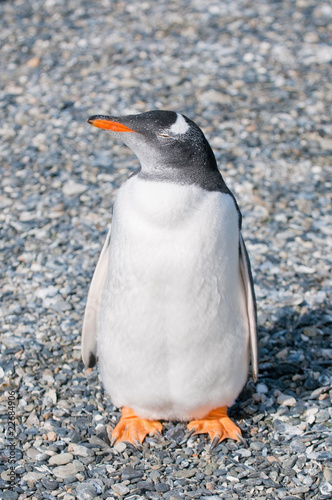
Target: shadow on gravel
column 295, row 356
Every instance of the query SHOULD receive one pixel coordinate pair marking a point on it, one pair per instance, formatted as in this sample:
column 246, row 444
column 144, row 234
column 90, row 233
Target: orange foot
column 133, row 429
column 218, row 425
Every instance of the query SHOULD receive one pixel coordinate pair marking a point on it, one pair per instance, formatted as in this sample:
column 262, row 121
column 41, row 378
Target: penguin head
column 168, row 144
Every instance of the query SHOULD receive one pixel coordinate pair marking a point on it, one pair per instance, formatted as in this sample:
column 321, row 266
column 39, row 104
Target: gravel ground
column 256, row 76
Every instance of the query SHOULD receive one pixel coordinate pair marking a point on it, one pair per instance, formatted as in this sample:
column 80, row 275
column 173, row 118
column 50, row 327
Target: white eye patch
column 180, row 126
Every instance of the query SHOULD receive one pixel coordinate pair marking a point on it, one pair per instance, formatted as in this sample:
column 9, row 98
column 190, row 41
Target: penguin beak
column 106, row 123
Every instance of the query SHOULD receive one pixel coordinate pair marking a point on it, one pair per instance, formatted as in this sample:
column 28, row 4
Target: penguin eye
column 163, row 135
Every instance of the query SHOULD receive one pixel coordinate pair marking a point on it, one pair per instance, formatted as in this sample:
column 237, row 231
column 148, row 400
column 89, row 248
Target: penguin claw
column 158, row 435
column 138, row 445
column 218, row 425
column 215, row 441
column 187, row 436
column 109, row 430
column 242, row 440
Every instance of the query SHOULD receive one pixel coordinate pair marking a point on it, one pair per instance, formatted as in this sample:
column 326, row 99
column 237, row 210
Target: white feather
column 180, row 126
column 173, row 327
column 89, row 330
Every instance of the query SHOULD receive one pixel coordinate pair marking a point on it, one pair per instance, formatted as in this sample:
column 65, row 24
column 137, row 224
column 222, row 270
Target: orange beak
column 104, row 123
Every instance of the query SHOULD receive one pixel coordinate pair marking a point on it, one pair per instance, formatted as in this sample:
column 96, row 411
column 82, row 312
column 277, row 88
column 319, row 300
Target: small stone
column 32, row 477
column 326, row 144
column 256, row 445
column 289, row 462
column 245, row 452
column 50, row 397
column 274, row 475
column 154, row 474
column 120, row 489
column 5, row 475
column 325, row 488
column 129, row 473
column 297, row 446
column 162, row 487
column 186, row 473
column 145, row 486
column 86, row 491
column 72, row 188
column 51, row 436
column 81, row 451
column 42, row 457
column 298, row 490
column 60, row 459
column 262, row 388
column 286, row 400
column 56, row 303
column 9, row 495
column 327, row 475
column 65, row 471
column 49, row 484
column 32, row 453
column 210, row 486
column 310, row 419
column 120, row 447
column 209, row 469
column 322, row 416
column 33, row 62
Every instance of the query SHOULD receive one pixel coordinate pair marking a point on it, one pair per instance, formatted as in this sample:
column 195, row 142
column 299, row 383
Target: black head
column 168, row 145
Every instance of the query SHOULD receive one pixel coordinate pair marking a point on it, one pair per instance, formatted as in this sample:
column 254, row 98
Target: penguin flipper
column 89, row 330
column 249, row 293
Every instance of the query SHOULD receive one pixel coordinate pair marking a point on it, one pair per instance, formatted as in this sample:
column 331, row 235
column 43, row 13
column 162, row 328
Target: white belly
column 172, row 329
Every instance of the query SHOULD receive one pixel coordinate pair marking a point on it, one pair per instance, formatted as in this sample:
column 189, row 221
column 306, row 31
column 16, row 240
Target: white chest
column 172, row 312
column 161, row 226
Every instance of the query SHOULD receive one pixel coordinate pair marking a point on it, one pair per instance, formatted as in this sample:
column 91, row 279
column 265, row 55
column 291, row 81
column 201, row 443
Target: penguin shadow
column 294, row 359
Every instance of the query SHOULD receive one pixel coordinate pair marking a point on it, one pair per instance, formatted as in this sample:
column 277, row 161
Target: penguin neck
column 209, row 179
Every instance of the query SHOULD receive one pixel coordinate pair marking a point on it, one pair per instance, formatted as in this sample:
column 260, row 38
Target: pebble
column 81, row 451
column 9, row 495
column 32, row 477
column 262, row 388
column 327, row 475
column 325, row 488
column 71, row 188
column 144, row 486
column 49, row 484
column 5, row 475
column 51, row 436
column 162, row 487
column 286, row 400
column 120, row 489
column 120, row 447
column 86, row 491
column 256, row 445
column 297, row 446
column 60, row 459
column 185, row 473
column 65, row 471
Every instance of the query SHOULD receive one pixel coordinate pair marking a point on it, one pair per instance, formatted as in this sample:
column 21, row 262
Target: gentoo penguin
column 171, row 311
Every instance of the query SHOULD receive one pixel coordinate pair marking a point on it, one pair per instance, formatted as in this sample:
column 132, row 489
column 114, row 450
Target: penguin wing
column 249, row 293
column 89, row 331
